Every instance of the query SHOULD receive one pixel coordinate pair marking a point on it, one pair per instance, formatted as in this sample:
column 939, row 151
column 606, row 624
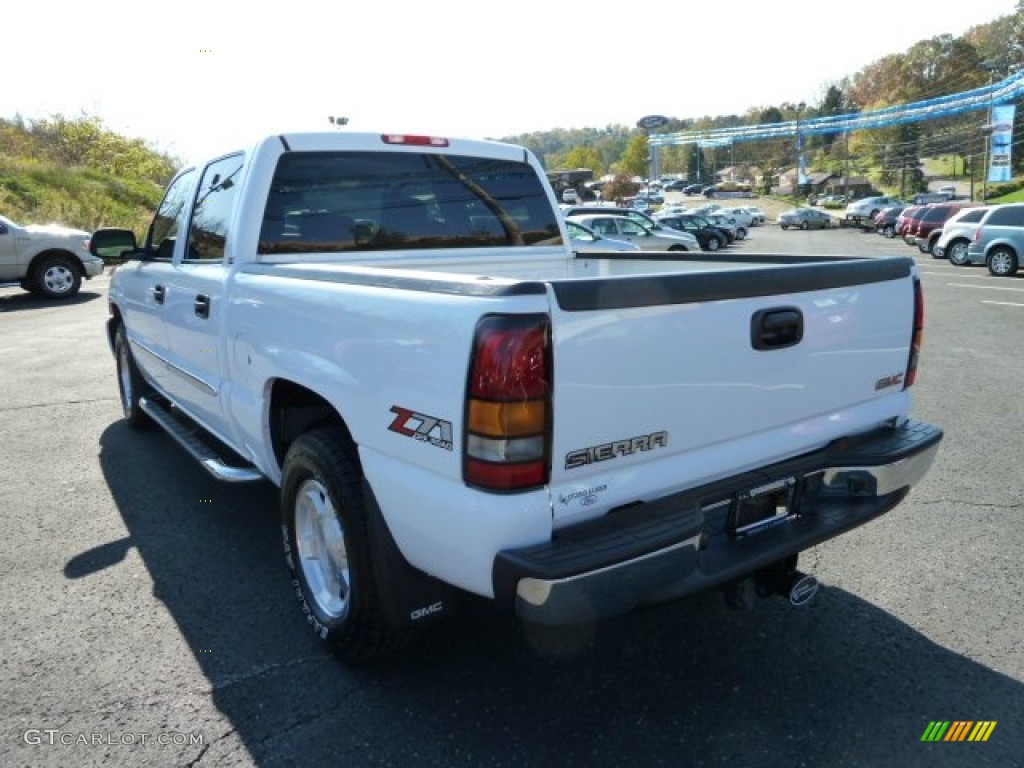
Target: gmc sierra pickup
column 394, row 330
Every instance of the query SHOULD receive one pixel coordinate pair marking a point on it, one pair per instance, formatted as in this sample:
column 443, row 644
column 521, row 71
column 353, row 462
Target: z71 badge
column 419, row 426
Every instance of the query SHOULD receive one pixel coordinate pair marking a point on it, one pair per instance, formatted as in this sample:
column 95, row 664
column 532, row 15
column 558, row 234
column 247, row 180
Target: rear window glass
column 367, row 201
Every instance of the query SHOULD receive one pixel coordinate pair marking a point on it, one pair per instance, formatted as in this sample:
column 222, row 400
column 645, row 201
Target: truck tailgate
column 667, row 382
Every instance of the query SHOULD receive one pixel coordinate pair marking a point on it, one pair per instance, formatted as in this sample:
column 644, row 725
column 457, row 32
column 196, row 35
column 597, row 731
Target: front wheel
column 57, row 277
column 129, row 381
column 1002, row 262
column 327, row 548
column 713, row 244
column 957, row 253
column 889, row 231
column 804, row 225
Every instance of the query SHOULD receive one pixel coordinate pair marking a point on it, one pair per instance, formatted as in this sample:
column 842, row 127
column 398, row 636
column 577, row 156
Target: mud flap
column 408, row 596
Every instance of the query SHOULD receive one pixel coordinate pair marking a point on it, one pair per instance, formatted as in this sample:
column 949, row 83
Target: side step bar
column 191, row 438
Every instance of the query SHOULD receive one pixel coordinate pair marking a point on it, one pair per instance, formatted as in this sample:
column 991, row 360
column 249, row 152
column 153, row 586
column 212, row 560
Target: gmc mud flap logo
column 419, row 426
column 606, row 451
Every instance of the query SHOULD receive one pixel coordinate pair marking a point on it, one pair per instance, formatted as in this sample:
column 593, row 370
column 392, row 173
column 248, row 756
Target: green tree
column 636, row 160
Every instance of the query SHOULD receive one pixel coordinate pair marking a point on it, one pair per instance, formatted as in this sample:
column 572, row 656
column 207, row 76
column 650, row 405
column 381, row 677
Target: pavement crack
column 32, row 406
column 226, row 681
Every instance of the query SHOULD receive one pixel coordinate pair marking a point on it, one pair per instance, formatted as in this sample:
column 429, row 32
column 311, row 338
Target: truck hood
column 55, row 229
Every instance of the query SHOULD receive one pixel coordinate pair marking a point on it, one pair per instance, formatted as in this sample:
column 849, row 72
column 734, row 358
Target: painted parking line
column 1002, row 303
column 986, row 287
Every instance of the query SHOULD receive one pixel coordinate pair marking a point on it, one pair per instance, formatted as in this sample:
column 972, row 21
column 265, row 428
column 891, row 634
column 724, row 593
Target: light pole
column 989, row 67
column 799, row 154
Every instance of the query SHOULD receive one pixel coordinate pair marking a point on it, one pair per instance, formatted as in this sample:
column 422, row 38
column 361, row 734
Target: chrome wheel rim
column 124, row 371
column 58, row 279
column 320, row 542
column 1000, row 263
column 958, row 253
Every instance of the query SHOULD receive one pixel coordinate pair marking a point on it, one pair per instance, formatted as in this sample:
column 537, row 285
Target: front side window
column 211, row 213
column 170, row 218
column 370, row 201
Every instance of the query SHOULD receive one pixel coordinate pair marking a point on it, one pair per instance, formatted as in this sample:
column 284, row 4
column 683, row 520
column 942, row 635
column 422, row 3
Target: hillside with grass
column 78, row 173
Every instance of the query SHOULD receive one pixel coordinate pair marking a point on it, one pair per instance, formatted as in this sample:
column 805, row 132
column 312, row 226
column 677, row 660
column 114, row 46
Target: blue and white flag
column 1001, row 142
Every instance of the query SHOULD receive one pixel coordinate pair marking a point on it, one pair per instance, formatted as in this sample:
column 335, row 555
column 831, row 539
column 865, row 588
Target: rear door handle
column 202, row 305
column 776, row 328
column 158, row 294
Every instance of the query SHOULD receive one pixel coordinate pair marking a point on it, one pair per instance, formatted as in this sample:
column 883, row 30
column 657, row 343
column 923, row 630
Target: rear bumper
column 685, row 543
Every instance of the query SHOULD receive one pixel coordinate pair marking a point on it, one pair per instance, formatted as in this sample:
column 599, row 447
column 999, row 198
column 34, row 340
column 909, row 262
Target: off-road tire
column 324, row 517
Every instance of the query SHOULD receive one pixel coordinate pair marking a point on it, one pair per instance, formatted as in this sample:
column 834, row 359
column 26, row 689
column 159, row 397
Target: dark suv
column 929, row 226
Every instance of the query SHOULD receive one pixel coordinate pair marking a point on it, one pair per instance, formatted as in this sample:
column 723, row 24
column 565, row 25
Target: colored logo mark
column 958, row 730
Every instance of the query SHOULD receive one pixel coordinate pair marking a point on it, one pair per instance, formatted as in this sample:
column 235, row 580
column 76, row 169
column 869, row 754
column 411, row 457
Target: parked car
column 728, row 223
column 868, row 207
column 998, row 242
column 693, row 189
column 623, row 228
column 804, row 218
column 885, row 221
column 47, row 259
column 583, row 240
column 758, row 216
column 570, row 196
column 710, row 237
column 641, row 218
column 957, row 233
column 743, row 217
column 929, row 226
column 677, row 185
column 907, row 218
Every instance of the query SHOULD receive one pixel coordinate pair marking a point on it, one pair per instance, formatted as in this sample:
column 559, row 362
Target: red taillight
column 508, row 411
column 918, row 336
column 414, row 141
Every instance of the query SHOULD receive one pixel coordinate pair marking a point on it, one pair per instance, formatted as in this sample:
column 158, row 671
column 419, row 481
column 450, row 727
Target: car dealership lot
column 143, row 602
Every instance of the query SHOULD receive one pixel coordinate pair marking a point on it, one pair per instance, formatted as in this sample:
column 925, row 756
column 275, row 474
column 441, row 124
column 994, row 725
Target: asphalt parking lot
column 148, row 619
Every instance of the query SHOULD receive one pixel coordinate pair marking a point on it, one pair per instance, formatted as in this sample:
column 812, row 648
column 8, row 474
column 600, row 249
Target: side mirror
column 112, row 243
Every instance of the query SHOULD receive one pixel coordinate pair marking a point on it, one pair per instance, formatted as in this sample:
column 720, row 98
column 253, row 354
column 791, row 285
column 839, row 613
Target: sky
column 198, row 78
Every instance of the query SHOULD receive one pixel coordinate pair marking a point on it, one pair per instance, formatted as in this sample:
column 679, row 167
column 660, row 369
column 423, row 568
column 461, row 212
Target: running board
column 191, row 438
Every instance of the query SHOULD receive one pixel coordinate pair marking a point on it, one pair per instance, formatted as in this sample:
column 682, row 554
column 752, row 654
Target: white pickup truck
column 46, row 259
column 394, row 331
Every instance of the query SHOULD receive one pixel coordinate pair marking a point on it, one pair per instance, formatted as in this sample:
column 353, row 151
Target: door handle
column 202, row 305
column 776, row 328
column 158, row 294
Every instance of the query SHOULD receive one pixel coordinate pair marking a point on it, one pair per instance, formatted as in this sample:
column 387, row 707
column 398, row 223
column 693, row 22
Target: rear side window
column 1007, row 216
column 367, row 201
column 972, row 215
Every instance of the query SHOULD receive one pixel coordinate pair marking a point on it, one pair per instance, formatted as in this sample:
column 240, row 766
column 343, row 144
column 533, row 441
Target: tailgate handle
column 776, row 328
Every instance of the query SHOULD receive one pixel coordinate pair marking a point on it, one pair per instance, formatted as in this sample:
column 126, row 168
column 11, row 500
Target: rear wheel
column 713, row 244
column 1002, row 262
column 957, row 252
column 327, row 548
column 804, row 225
column 889, row 231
